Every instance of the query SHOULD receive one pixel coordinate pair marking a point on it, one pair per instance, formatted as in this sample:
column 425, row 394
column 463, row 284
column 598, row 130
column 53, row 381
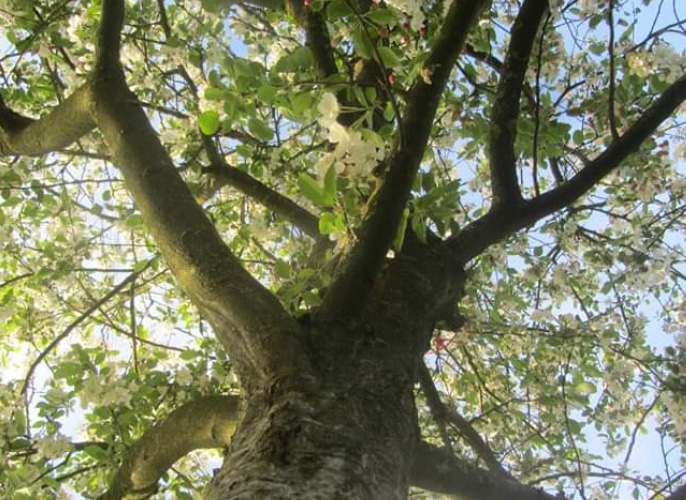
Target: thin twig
column 611, row 53
column 76, row 323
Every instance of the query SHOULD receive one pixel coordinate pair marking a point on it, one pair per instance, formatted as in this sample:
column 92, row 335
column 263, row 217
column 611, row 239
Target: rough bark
column 353, row 434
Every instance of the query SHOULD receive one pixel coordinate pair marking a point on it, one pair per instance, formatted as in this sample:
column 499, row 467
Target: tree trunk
column 350, row 436
column 349, row 432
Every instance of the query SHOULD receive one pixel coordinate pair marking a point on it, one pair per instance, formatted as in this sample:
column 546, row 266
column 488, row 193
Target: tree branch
column 497, row 65
column 208, row 422
column 319, row 41
column 441, row 472
column 611, row 54
column 227, row 175
column 283, row 206
column 503, row 127
column 248, row 319
column 441, row 412
column 248, row 185
column 499, row 223
column 67, row 123
column 129, row 279
column 349, row 290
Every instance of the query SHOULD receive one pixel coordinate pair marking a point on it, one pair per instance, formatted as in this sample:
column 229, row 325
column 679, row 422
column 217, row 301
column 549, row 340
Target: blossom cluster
column 354, row 155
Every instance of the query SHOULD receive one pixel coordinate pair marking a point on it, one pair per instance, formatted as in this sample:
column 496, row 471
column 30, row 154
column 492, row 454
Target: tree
column 266, row 247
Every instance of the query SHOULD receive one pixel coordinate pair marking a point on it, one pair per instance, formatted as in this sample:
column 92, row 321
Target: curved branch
column 348, row 292
column 247, row 317
column 503, row 127
column 248, row 185
column 285, row 207
column 67, row 123
column 442, row 472
column 208, row 422
column 499, row 223
column 441, row 412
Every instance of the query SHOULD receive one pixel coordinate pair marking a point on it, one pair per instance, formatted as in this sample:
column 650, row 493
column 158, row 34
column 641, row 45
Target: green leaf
column 419, row 227
column 330, row 183
column 383, row 16
column 363, row 46
column 214, row 94
column 242, row 67
column 301, row 102
column 338, row 9
column 303, row 58
column 135, row 220
column 189, row 354
column 285, row 64
column 211, row 5
column 68, row 369
column 232, row 105
column 574, row 426
column 585, row 388
column 260, row 129
column 388, row 57
column 370, row 94
column 282, row 269
column 97, row 453
column 267, row 93
column 389, row 112
column 330, row 223
column 209, row 122
column 313, row 192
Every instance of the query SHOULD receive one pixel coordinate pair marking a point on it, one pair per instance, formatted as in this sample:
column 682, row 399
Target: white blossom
column 53, row 446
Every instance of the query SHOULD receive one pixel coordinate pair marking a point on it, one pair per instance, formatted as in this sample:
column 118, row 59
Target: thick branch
column 440, row 471
column 319, row 42
column 266, row 196
column 350, row 288
column 503, row 128
column 67, row 123
column 261, row 330
column 207, row 422
column 210, row 422
column 498, row 223
column 497, row 65
column 109, row 36
column 245, row 183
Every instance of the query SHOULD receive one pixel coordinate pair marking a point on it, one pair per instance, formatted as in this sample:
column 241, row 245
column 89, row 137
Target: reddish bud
column 391, row 79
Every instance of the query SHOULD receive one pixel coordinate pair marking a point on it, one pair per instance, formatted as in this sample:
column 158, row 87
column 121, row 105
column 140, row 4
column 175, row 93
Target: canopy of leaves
column 571, row 360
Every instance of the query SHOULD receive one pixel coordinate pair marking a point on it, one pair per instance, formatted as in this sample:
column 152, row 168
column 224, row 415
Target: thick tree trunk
column 350, row 435
column 349, row 431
